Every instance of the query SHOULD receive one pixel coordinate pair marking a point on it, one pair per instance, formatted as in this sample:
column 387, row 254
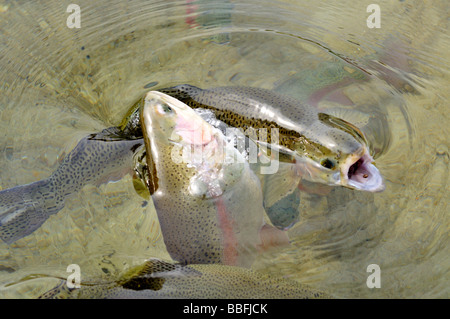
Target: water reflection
column 59, row 85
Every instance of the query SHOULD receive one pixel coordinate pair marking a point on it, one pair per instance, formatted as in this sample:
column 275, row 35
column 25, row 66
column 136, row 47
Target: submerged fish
column 109, row 155
column 326, row 149
column 208, row 200
column 96, row 159
column 157, row 279
column 281, row 202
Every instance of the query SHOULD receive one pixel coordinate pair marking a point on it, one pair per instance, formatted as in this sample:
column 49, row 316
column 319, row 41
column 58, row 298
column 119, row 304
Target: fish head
column 168, row 120
column 210, row 210
column 339, row 156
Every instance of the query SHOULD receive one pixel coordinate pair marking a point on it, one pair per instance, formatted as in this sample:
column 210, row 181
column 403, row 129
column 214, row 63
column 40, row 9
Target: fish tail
column 24, row 208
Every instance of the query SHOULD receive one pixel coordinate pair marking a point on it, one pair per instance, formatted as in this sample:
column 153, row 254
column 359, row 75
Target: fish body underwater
column 157, row 279
column 208, row 200
column 326, row 149
column 323, row 149
column 96, row 159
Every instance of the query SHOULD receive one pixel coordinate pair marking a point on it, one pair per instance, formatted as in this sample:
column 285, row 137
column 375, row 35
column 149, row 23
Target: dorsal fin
column 341, row 124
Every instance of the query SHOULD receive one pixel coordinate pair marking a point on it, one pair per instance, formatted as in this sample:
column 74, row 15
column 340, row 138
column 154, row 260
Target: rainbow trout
column 326, row 149
column 208, row 200
column 157, row 279
column 108, row 156
column 323, row 148
column 96, row 159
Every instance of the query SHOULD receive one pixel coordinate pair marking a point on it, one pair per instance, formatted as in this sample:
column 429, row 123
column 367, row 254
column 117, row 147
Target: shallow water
column 60, row 84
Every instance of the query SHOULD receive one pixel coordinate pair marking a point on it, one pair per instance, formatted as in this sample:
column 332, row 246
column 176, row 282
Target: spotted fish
column 96, row 159
column 208, row 200
column 326, row 149
column 157, row 279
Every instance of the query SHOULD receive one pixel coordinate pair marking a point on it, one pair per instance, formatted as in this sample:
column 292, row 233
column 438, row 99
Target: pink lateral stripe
column 229, row 239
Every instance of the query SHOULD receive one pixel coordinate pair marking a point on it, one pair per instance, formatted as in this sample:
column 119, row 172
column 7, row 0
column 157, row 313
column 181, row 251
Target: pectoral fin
column 357, row 118
column 272, row 237
column 280, row 184
column 285, row 213
column 281, row 196
column 141, row 173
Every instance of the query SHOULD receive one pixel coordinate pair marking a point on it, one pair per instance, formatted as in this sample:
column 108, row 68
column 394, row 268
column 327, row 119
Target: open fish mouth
column 360, row 173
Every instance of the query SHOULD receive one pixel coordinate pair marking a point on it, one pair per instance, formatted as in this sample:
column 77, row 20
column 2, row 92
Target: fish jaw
column 359, row 172
column 193, row 133
column 356, row 172
column 189, row 127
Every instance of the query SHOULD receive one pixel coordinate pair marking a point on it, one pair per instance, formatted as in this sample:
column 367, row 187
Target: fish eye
column 164, row 109
column 327, row 163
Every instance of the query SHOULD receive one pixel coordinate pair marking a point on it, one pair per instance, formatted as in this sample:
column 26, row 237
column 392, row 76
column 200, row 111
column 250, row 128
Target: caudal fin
column 24, row 208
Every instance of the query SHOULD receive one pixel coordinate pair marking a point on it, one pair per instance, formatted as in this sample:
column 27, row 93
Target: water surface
column 60, row 84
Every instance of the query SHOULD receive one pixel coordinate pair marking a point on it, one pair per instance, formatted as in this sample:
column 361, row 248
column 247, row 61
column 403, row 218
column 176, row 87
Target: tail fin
column 24, row 208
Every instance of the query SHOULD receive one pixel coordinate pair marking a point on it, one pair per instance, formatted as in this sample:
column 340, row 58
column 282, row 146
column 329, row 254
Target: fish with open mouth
column 311, row 146
column 323, row 148
column 326, row 149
